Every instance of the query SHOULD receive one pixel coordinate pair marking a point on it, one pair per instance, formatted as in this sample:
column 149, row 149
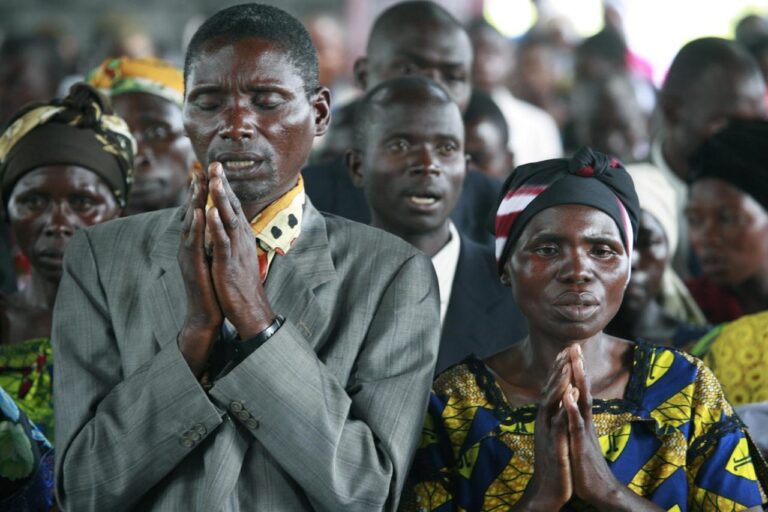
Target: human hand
column 550, row 487
column 204, row 315
column 235, row 263
column 588, row 465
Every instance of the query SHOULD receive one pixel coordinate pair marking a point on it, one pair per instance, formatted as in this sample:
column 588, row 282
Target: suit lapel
column 166, row 297
column 293, row 278
column 470, row 318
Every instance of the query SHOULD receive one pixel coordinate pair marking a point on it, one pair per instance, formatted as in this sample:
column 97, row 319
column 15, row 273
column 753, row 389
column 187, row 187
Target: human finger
column 557, row 368
column 553, row 394
column 571, row 408
column 225, row 201
column 186, row 220
column 199, row 196
column 220, row 240
column 581, row 382
column 194, row 235
column 560, row 437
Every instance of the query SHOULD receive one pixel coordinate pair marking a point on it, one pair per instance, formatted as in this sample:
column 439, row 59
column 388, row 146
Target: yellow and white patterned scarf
column 278, row 226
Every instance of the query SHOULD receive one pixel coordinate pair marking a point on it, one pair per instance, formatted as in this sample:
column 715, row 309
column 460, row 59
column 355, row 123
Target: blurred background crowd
column 547, row 77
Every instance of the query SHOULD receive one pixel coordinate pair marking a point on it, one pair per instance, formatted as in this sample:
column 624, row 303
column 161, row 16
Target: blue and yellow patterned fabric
column 673, row 439
column 26, row 462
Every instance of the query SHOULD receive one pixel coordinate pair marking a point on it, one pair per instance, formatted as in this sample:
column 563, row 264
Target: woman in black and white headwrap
column 570, row 418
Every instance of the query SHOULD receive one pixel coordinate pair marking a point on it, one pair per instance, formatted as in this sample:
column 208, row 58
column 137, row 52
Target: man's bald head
column 418, row 38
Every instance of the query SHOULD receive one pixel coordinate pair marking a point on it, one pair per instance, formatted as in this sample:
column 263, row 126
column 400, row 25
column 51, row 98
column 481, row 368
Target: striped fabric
column 514, row 202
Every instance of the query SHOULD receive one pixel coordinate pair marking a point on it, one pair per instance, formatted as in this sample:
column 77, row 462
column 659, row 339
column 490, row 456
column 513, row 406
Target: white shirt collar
column 445, row 263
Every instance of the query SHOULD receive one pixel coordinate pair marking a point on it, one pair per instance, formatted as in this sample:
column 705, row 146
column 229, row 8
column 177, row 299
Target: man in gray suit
column 244, row 352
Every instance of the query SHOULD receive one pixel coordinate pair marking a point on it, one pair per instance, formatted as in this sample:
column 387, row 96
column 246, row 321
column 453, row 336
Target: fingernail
column 575, row 394
column 565, row 369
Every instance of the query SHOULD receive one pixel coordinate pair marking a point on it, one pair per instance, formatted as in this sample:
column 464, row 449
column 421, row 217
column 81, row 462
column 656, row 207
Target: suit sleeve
column 348, row 448
column 110, row 427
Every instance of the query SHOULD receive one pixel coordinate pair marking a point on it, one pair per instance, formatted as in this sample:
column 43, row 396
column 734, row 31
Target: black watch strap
column 244, row 348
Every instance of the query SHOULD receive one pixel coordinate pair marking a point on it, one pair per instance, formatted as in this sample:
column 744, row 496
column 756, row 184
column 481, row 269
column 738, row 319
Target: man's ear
column 360, row 71
column 354, row 160
column 321, row 103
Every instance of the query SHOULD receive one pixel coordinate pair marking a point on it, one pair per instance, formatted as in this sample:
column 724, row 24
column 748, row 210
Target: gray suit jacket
column 324, row 416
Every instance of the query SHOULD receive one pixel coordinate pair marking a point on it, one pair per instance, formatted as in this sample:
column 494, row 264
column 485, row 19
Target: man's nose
column 425, row 161
column 239, row 123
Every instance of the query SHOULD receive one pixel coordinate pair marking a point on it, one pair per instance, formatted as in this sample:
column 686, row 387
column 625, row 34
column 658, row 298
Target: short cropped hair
column 420, row 90
column 701, row 55
column 262, row 22
column 392, row 20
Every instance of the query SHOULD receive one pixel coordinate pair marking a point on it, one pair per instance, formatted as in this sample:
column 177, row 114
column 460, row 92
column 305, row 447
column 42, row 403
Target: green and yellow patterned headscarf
column 149, row 75
column 77, row 130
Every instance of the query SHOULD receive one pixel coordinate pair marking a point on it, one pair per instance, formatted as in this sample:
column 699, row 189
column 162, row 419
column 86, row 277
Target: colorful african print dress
column 26, row 374
column 672, row 439
column 737, row 352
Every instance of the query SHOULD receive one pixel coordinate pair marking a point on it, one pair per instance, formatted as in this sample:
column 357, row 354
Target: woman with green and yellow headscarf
column 64, row 165
column 148, row 93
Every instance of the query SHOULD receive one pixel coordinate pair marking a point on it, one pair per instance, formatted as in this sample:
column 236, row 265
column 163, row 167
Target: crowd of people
column 499, row 274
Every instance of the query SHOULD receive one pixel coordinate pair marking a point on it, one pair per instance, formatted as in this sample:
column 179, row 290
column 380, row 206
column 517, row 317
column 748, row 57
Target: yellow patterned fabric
column 26, row 374
column 672, row 439
column 738, row 355
column 278, row 226
column 79, row 129
column 150, row 75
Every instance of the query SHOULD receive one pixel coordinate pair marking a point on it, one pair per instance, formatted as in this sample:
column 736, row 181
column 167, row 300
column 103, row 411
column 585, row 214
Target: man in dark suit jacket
column 410, row 38
column 409, row 160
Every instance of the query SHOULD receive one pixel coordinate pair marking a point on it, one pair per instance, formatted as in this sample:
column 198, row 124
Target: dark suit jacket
column 482, row 316
column 332, row 191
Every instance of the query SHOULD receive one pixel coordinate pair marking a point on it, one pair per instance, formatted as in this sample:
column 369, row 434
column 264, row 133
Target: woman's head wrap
column 738, row 155
column 117, row 76
column 77, row 130
column 588, row 178
column 657, row 197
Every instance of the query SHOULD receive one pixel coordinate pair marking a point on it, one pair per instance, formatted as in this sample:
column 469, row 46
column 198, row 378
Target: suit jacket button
column 236, row 406
column 187, row 442
column 200, row 429
column 252, row 423
column 243, row 415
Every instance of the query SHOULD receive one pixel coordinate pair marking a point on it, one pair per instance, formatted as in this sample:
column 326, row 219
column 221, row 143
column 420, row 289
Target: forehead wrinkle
column 222, row 66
